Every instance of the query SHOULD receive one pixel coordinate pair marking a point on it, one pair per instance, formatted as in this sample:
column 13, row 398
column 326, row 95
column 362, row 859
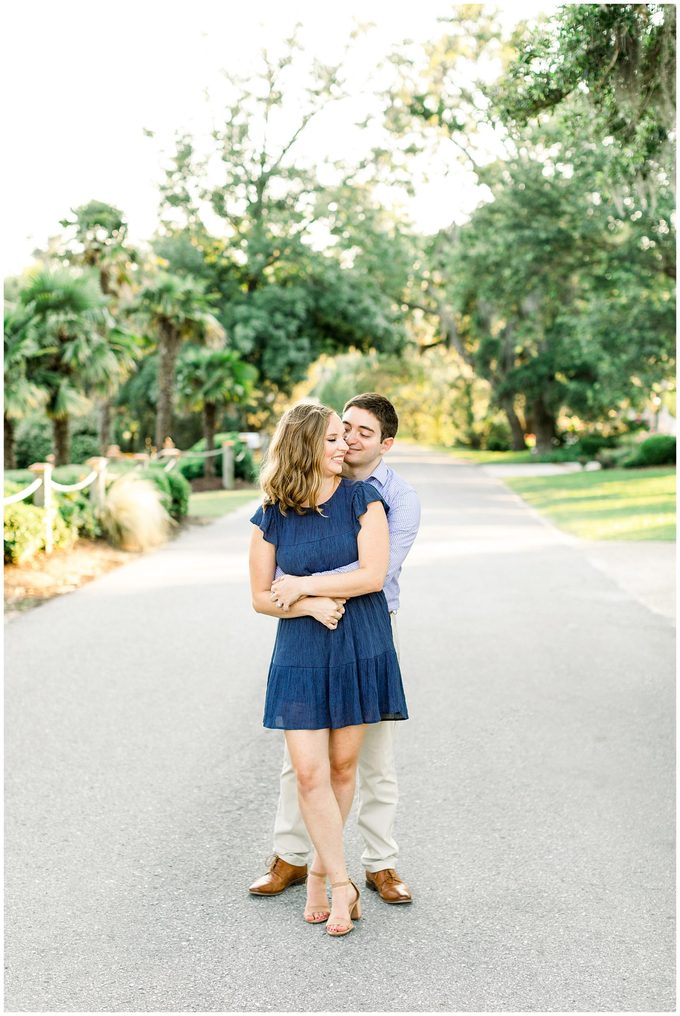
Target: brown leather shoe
column 279, row 877
column 388, row 886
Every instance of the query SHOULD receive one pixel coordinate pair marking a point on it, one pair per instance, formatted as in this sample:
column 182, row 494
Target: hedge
column 244, row 464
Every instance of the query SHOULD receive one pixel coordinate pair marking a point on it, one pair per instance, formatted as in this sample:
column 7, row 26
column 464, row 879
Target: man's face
column 362, row 435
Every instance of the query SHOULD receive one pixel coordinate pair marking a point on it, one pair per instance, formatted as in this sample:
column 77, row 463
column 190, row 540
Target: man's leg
column 378, row 799
column 291, row 841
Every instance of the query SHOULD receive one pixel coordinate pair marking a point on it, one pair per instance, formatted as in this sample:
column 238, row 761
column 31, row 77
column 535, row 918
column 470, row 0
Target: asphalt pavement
column 536, row 773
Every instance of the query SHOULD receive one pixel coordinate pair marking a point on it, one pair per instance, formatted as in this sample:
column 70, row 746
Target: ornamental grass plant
column 133, row 516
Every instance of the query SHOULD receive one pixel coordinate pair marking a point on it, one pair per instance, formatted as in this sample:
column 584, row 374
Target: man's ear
column 386, row 445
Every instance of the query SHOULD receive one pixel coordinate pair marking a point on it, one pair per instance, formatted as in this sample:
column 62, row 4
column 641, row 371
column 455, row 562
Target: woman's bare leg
column 344, row 747
column 309, row 753
column 325, row 766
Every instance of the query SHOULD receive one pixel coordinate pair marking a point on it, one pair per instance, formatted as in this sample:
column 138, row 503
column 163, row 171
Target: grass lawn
column 480, row 457
column 210, row 504
column 484, row 458
column 614, row 504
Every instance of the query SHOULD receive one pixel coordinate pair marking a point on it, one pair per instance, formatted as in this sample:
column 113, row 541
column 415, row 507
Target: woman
column 334, row 668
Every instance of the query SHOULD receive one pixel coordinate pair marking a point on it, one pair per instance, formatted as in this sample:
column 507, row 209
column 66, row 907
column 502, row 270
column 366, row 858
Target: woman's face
column 335, row 447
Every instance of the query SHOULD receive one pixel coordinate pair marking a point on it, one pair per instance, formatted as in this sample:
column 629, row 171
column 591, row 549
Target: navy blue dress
column 320, row 678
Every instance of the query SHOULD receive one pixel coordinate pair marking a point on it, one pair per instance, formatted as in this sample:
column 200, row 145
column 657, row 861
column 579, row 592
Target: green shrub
column 24, row 532
column 160, row 480
column 84, row 446
column 499, row 437
column 657, row 450
column 77, row 511
column 63, row 535
column 588, row 445
column 174, row 488
column 557, row 455
column 192, row 468
column 613, row 458
column 244, row 464
column 12, row 487
column 180, row 488
column 19, row 477
column 33, row 441
column 70, row 474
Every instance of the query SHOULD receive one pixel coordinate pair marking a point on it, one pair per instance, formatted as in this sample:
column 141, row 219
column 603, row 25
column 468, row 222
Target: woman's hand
column 327, row 610
column 286, row 590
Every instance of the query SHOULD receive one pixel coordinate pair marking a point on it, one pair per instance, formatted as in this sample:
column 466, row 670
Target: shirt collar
column 380, row 473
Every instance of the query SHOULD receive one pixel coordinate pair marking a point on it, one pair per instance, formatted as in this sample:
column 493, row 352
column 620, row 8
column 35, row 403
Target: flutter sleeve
column 362, row 495
column 265, row 519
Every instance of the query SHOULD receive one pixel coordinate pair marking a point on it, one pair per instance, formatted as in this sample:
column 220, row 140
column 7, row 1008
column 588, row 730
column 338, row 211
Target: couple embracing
column 326, row 552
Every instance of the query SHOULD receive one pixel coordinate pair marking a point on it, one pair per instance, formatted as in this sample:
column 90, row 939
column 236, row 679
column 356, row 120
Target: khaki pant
column 378, row 797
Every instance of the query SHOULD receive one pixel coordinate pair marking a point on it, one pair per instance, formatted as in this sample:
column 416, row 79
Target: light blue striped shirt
column 403, row 520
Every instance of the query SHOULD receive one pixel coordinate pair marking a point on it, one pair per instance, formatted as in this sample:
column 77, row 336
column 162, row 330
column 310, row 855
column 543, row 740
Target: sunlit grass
column 484, row 458
column 471, row 455
column 211, row 504
column 617, row 504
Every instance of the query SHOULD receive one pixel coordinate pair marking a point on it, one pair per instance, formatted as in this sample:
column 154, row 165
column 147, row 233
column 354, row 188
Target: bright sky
column 82, row 80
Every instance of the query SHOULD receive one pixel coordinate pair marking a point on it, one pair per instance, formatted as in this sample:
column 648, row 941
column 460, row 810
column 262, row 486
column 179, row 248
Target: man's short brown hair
column 381, row 408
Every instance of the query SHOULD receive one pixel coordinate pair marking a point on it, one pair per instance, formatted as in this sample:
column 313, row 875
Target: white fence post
column 98, row 492
column 228, row 465
column 43, row 499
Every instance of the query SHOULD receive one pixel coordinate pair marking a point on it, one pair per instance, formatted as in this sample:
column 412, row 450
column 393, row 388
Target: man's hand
column 326, row 610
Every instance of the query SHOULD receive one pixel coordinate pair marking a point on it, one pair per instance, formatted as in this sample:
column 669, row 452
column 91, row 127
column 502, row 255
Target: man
column 371, row 423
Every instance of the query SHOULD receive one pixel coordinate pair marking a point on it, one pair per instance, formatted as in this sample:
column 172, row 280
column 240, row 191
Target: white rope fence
column 21, row 495
column 44, row 485
column 70, row 487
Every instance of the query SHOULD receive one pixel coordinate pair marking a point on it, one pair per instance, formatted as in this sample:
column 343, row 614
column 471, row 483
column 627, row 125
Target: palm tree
column 21, row 395
column 100, row 242
column 69, row 325
column 208, row 380
column 177, row 309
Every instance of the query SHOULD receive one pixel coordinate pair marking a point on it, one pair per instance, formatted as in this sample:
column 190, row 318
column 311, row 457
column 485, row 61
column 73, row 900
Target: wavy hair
column 292, row 475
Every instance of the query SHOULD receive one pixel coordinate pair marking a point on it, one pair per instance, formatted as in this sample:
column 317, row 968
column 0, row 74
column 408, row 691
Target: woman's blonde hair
column 291, row 476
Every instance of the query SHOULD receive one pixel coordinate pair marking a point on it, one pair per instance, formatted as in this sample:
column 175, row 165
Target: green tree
column 290, row 283
column 610, row 65
column 208, row 381
column 98, row 239
column 438, row 100
column 552, row 296
column 21, row 394
column 69, row 326
column 537, row 291
column 177, row 310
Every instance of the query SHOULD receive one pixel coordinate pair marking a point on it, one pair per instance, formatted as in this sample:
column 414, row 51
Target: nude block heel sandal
column 316, row 916
column 336, row 930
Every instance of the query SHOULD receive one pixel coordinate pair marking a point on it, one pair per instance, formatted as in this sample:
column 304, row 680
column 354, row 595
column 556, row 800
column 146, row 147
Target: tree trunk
column 518, row 443
column 545, row 426
column 168, row 348
column 209, row 418
column 62, row 441
column 10, row 462
column 104, row 425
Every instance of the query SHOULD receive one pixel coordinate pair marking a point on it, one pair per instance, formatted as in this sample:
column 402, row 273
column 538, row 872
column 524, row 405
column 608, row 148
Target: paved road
column 536, row 777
